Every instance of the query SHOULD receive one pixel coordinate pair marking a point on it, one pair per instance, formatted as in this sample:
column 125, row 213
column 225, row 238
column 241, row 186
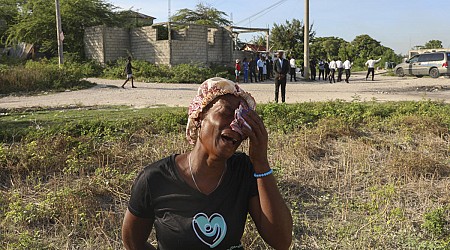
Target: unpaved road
column 108, row 92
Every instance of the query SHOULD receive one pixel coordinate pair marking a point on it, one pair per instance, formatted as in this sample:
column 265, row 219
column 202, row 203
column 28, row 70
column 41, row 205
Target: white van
column 433, row 64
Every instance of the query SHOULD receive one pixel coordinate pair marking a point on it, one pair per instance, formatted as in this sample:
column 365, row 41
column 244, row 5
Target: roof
column 132, row 13
column 254, row 47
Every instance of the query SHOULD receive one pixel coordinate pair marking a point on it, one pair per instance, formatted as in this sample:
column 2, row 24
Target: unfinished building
column 186, row 43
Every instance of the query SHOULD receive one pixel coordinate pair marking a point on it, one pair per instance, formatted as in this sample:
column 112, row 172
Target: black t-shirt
column 129, row 68
column 183, row 217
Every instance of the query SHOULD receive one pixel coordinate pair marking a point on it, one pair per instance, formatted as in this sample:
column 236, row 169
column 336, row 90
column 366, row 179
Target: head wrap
column 208, row 91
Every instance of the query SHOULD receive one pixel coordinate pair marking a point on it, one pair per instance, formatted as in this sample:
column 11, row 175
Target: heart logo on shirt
column 210, row 230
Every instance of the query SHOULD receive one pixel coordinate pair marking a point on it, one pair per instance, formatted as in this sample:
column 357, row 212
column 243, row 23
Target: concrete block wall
column 93, row 43
column 142, row 43
column 116, row 43
column 193, row 48
column 161, row 51
column 195, row 43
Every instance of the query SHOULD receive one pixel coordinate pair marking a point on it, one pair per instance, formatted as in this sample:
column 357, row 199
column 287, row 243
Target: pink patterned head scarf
column 207, row 92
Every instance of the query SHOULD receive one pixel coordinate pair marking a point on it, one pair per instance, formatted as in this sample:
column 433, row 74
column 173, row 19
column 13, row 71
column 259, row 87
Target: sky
column 399, row 25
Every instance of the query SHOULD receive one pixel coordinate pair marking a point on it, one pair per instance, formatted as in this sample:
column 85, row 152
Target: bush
column 44, row 76
column 182, row 73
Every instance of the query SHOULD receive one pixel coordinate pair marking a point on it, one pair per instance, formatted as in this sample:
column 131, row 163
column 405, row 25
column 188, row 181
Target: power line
column 262, row 12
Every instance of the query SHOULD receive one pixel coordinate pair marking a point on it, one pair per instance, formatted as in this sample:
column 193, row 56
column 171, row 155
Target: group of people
column 259, row 69
column 327, row 70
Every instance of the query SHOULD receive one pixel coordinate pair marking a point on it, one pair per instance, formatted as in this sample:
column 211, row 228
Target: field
column 356, row 175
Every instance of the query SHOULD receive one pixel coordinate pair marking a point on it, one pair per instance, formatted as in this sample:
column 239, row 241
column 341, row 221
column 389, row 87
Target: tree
column 327, row 48
column 433, row 44
column 8, row 14
column 290, row 37
column 203, row 14
column 36, row 23
column 364, row 47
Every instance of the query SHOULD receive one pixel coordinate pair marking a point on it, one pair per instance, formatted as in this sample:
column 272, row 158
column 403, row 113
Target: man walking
column 280, row 68
column 371, row 67
column 347, row 67
column 129, row 72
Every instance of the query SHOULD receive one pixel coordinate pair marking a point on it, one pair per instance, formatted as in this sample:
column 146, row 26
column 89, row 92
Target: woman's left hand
column 258, row 140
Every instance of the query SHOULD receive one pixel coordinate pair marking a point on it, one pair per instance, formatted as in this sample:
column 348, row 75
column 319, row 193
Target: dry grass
column 348, row 187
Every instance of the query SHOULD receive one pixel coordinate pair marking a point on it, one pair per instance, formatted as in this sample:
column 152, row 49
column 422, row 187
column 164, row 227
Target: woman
column 237, row 70
column 200, row 199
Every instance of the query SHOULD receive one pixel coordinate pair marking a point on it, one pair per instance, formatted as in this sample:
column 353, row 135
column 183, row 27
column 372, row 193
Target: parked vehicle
column 433, row 64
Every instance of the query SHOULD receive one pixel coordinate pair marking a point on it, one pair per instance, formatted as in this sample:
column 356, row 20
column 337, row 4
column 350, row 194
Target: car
column 433, row 64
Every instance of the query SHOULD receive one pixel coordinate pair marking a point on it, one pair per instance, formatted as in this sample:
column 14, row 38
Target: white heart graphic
column 210, row 230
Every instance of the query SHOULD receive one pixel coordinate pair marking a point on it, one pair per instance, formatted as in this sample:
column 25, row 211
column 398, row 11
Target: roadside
column 108, row 92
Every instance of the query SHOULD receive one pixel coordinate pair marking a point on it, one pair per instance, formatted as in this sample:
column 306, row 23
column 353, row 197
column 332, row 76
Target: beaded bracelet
column 263, row 174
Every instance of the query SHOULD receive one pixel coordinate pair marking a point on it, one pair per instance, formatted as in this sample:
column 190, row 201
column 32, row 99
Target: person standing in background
column 340, row 69
column 321, row 69
column 270, row 68
column 265, row 68
column 371, row 67
column 260, row 64
column 237, row 70
column 245, row 66
column 252, row 69
column 327, row 70
column 312, row 65
column 332, row 71
column 292, row 70
column 347, row 67
column 280, row 68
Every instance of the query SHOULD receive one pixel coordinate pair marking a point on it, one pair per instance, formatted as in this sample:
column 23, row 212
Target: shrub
column 43, row 76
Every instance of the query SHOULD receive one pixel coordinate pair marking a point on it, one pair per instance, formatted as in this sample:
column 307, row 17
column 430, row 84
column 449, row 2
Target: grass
column 355, row 175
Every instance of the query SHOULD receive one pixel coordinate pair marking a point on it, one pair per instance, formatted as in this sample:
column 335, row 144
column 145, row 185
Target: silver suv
column 433, row 64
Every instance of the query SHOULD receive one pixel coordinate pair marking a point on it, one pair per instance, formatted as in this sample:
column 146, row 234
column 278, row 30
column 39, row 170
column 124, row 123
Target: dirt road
column 108, row 92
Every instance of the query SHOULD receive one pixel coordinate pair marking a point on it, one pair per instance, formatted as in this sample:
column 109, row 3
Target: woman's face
column 216, row 135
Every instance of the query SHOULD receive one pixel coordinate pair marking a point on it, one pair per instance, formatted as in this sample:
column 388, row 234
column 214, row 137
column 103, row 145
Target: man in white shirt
column 332, row 71
column 340, row 68
column 347, row 66
column 260, row 65
column 371, row 67
column 292, row 70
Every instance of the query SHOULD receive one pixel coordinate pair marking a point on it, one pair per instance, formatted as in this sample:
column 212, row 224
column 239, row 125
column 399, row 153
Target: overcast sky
column 399, row 25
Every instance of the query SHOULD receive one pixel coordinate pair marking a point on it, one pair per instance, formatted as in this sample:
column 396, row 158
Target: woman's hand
column 258, row 141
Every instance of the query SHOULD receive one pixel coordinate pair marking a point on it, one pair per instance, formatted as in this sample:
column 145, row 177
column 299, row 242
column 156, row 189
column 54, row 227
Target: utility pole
column 169, row 29
column 59, row 35
column 306, row 42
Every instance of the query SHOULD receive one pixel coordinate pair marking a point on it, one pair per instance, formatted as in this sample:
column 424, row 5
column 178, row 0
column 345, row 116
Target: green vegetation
column 182, row 73
column 45, row 76
column 355, row 175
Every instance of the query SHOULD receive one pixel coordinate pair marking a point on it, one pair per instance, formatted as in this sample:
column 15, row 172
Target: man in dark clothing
column 280, row 68
column 252, row 69
column 312, row 65
column 270, row 68
column 321, row 69
column 327, row 70
column 129, row 72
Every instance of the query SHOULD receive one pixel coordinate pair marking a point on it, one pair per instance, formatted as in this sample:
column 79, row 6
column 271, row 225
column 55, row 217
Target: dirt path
column 108, row 92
